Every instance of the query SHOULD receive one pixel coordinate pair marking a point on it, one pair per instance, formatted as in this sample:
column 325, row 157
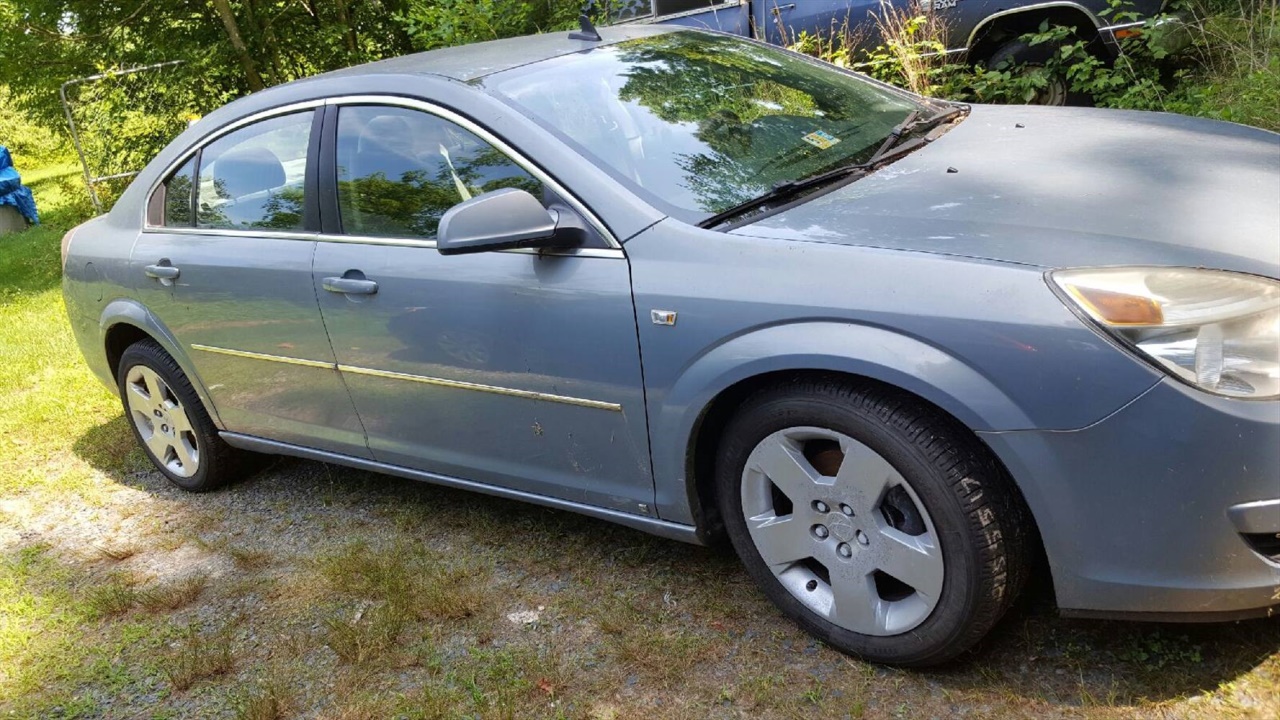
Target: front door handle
column 350, row 286
column 162, row 271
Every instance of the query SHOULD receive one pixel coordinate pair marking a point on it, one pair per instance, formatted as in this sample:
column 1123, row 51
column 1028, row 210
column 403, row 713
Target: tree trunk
column 349, row 32
column 237, row 43
column 267, row 38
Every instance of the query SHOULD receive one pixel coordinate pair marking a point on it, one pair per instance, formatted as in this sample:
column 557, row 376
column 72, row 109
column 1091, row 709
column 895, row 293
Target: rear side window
column 177, row 196
column 399, row 170
column 253, row 178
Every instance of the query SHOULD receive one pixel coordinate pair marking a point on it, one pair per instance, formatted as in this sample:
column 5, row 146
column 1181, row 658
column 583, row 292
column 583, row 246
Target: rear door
column 225, row 264
column 508, row 368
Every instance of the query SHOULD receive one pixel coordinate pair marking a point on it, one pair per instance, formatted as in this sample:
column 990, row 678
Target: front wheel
column 169, row 421
column 876, row 523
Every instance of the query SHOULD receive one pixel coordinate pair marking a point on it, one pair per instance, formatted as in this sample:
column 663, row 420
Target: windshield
column 698, row 123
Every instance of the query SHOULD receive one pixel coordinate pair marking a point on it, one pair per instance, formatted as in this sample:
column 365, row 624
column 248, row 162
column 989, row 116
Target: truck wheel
column 1019, row 56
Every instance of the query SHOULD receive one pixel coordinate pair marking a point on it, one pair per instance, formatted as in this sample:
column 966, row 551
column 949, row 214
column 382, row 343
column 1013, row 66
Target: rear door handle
column 350, row 286
column 162, row 271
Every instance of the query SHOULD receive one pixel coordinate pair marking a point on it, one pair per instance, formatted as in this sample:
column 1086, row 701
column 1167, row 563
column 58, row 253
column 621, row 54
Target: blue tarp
column 12, row 191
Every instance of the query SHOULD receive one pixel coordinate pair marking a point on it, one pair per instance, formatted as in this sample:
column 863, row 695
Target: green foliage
column 226, row 47
column 444, row 23
column 1228, row 69
column 31, row 143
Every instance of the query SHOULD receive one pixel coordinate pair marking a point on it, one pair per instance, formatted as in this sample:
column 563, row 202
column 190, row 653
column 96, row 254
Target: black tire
column 218, row 463
column 980, row 520
column 1019, row 52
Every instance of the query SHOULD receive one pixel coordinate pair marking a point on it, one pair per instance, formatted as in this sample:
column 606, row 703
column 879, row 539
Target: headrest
column 244, row 171
column 386, row 133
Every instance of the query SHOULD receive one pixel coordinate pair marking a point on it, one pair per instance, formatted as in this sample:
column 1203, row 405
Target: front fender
column 842, row 347
column 126, row 311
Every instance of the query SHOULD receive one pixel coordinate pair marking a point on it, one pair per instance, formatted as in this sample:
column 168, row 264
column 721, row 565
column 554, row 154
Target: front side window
column 698, row 123
column 253, row 178
column 400, row 170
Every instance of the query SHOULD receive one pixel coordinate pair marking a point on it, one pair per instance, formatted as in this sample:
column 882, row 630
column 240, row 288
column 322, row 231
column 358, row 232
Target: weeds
column 368, row 634
column 1228, row 70
column 267, row 702
column 115, row 596
column 172, row 595
column 408, row 578
column 248, row 558
column 197, row 657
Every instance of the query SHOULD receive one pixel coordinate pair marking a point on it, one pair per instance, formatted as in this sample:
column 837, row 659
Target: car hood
column 1058, row 187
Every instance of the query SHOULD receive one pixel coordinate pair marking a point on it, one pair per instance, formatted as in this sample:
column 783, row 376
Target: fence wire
column 119, row 120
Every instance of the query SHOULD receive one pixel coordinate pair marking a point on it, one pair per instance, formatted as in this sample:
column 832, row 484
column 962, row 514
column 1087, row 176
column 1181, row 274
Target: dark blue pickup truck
column 983, row 31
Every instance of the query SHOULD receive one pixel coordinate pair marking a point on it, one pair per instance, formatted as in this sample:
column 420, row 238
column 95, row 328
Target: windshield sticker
column 820, row 139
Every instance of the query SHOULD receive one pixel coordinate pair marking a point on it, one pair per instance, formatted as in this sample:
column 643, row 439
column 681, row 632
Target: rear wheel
column 873, row 521
column 170, row 422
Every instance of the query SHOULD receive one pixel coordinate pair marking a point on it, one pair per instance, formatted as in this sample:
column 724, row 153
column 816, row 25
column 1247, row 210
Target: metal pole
column 75, row 135
column 75, row 140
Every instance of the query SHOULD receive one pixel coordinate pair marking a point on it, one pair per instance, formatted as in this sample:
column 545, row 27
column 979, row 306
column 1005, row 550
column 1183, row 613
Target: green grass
column 323, row 592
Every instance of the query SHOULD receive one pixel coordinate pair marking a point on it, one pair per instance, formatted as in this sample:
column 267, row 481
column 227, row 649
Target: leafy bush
column 32, row 144
column 444, row 23
column 1230, row 70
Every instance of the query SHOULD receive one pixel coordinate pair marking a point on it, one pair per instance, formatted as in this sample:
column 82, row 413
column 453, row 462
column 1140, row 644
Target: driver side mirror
column 497, row 220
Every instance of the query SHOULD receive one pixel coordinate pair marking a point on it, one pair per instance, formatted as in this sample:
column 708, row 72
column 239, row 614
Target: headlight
column 1217, row 330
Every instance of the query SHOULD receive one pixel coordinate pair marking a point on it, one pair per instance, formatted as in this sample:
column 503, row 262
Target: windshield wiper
column 782, row 191
column 911, row 124
column 892, row 145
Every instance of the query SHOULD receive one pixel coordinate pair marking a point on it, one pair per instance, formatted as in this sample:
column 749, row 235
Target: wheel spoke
column 159, row 445
column 787, row 468
column 153, row 386
column 914, row 559
column 855, row 603
column 184, row 454
column 864, row 476
column 180, row 421
column 780, row 540
column 139, row 399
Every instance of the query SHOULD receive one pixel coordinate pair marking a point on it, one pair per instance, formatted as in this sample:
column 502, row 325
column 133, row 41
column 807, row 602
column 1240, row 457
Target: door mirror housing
column 497, row 220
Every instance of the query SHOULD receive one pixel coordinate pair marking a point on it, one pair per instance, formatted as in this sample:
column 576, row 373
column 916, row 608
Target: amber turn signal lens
column 1117, row 308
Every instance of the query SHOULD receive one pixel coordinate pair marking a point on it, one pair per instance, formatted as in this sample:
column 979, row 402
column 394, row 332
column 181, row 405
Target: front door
column 225, row 264
column 507, row 368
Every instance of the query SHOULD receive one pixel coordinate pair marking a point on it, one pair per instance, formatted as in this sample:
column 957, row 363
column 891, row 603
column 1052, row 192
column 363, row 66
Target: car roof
column 456, row 64
column 470, row 62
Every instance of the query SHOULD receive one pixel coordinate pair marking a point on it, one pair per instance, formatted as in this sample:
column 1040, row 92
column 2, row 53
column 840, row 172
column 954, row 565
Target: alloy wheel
column 842, row 530
column 161, row 421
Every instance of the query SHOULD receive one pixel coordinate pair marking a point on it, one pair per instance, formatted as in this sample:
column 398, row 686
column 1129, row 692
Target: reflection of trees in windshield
column 752, row 107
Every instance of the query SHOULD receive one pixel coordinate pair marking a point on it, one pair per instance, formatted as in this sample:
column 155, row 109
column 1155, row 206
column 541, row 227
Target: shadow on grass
column 1032, row 655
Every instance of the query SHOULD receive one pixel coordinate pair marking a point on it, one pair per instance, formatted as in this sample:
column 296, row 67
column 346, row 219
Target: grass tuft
column 118, row 553
column 197, row 657
column 267, row 702
column 114, row 596
column 173, row 595
column 410, row 578
column 249, row 559
column 368, row 634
